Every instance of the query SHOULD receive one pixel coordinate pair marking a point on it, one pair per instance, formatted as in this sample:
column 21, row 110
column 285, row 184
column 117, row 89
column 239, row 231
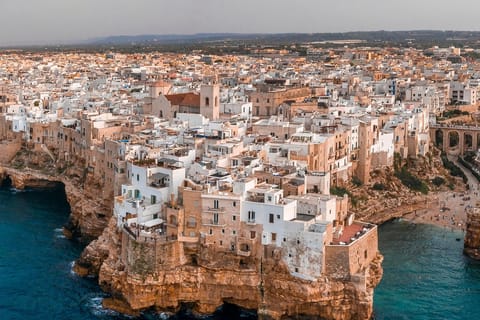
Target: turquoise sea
column 36, row 278
column 425, row 274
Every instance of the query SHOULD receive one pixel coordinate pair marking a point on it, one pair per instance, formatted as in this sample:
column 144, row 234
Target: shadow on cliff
column 226, row 311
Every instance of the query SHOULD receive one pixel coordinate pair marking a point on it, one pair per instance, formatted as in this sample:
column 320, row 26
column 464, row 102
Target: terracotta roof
column 184, row 99
column 160, row 83
column 348, row 233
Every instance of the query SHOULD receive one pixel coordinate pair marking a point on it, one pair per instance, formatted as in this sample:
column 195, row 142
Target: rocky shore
column 265, row 285
column 472, row 236
column 89, row 216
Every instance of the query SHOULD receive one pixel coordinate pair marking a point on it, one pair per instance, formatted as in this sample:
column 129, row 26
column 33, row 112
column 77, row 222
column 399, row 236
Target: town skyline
column 56, row 22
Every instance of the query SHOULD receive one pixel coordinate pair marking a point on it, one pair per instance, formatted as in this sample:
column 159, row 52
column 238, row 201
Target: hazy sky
column 53, row 21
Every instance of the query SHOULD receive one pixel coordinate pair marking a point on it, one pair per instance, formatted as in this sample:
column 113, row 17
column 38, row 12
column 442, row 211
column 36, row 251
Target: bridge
column 455, row 139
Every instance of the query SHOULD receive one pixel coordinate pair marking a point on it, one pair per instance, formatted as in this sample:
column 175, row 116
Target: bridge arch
column 439, row 138
column 467, row 141
column 453, row 139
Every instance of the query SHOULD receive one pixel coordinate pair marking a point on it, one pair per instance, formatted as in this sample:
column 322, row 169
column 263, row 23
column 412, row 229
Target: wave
column 59, row 233
column 72, row 265
column 15, row 190
column 94, row 306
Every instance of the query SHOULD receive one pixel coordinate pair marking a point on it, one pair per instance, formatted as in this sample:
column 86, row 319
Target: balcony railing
column 243, row 253
column 210, row 209
column 211, row 222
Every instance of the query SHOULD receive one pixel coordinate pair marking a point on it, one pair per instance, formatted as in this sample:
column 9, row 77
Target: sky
column 68, row 21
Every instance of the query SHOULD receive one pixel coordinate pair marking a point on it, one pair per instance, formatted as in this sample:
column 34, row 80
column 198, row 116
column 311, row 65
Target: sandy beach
column 447, row 209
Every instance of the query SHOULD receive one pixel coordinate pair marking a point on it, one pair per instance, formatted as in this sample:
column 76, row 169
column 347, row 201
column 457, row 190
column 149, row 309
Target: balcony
column 251, row 222
column 220, row 209
column 244, row 253
column 212, row 223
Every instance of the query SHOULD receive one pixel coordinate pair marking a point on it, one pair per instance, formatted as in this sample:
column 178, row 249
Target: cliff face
column 472, row 236
column 89, row 215
column 139, row 279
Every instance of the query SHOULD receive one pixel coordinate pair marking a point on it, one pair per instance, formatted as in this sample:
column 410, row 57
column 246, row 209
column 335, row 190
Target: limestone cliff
column 89, row 212
column 139, row 278
column 178, row 273
column 472, row 236
column 391, row 199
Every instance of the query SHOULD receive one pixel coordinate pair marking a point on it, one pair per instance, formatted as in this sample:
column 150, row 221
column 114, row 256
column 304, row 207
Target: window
column 153, row 199
column 215, row 218
column 210, row 231
column 223, row 231
column 192, row 222
column 215, row 204
column 251, row 216
column 252, row 234
column 234, row 203
column 274, row 236
column 234, row 218
column 278, row 216
column 271, row 218
column 234, row 232
column 366, row 254
column 138, row 177
column 207, row 101
column 137, row 193
column 155, row 216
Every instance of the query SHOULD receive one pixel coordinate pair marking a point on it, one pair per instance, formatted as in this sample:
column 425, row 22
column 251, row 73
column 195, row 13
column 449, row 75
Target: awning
column 152, row 223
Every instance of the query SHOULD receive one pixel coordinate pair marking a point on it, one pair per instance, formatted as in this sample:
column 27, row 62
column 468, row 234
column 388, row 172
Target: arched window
column 192, row 222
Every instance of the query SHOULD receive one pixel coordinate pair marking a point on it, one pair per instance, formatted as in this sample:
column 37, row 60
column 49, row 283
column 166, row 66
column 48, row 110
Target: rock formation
column 472, row 236
column 89, row 214
column 182, row 276
column 138, row 279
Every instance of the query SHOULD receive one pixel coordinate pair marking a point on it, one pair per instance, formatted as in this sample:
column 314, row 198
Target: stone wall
column 264, row 284
column 8, row 150
column 343, row 261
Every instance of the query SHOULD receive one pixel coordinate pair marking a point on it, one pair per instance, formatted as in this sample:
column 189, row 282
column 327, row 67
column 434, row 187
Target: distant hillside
column 368, row 36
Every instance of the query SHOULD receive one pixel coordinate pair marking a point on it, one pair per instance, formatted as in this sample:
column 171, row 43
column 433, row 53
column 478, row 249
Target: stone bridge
column 455, row 139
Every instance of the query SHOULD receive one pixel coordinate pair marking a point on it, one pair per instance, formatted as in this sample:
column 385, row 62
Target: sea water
column 36, row 260
column 426, row 276
column 36, row 278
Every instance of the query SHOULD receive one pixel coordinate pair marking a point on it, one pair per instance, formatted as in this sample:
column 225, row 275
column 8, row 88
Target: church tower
column 210, row 100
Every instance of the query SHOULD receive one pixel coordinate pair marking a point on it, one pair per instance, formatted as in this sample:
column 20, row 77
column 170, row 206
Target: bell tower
column 210, row 100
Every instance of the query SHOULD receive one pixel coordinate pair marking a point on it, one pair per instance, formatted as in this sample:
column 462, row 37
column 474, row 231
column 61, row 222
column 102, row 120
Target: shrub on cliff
column 452, row 168
column 341, row 191
column 411, row 181
column 356, row 181
column 378, row 186
column 438, row 181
